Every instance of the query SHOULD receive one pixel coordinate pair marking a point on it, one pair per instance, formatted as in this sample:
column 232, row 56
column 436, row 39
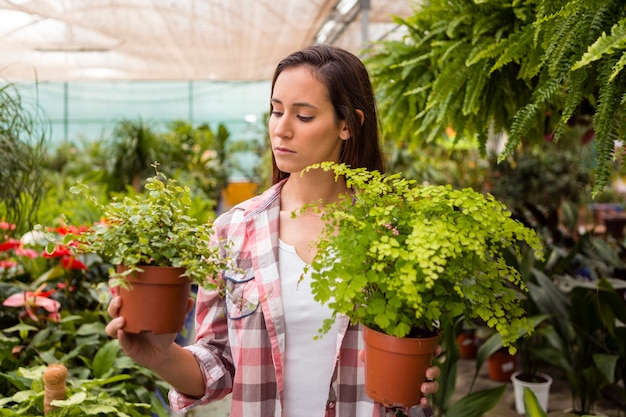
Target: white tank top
column 308, row 363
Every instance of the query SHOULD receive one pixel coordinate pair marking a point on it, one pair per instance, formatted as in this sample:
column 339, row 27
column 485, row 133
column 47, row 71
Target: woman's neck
column 311, row 187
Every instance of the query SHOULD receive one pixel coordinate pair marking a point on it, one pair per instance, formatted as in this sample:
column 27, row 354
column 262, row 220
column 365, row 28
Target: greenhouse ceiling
column 85, row 40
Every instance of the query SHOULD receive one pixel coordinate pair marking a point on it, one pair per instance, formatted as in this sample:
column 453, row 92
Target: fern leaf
column 515, row 47
column 573, row 98
column 605, row 45
column 618, row 67
column 606, row 122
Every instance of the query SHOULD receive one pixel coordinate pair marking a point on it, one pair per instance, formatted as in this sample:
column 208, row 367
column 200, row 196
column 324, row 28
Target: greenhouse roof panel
column 69, row 40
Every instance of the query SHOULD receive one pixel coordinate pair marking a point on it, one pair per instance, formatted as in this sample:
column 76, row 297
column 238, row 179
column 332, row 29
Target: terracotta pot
column 468, row 344
column 395, row 368
column 501, row 365
column 156, row 302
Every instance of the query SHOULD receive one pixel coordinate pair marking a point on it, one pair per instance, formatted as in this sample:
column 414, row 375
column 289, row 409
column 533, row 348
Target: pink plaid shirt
column 240, row 337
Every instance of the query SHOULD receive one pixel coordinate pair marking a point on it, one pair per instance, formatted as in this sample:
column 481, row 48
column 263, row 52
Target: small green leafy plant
column 399, row 258
column 153, row 228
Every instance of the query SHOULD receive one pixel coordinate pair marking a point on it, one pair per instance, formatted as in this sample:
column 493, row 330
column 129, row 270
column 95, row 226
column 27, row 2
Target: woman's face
column 303, row 127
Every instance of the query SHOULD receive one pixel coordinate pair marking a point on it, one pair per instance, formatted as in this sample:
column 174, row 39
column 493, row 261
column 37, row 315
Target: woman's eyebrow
column 297, row 104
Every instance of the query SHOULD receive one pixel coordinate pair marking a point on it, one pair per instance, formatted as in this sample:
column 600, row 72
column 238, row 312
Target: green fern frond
column 605, row 45
column 526, row 118
column 606, row 128
column 560, row 45
column 574, row 96
column 618, row 67
column 474, row 89
column 515, row 47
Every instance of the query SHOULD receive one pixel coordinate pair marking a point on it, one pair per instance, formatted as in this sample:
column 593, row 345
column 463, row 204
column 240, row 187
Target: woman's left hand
column 431, row 385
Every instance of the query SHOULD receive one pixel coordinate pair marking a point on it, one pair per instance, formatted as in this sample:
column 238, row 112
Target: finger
column 424, row 402
column 190, row 302
column 362, row 355
column 114, row 307
column 114, row 326
column 433, row 372
column 429, row 387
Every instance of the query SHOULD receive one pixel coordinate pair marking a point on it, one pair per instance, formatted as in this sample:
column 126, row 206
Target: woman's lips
column 282, row 151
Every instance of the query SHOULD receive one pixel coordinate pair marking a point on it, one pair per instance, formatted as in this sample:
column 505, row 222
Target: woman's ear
column 345, row 132
column 361, row 116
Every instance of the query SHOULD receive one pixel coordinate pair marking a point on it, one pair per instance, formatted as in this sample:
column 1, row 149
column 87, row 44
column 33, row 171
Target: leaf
column 605, row 44
column 74, row 399
column 477, row 403
column 531, row 404
column 606, row 365
column 105, row 358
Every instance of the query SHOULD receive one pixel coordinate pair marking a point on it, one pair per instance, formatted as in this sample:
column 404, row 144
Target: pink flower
column 6, row 263
column 31, row 301
column 9, row 244
column 7, row 226
column 30, row 253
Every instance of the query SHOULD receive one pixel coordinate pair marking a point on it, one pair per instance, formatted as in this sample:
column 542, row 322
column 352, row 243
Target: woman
column 256, row 338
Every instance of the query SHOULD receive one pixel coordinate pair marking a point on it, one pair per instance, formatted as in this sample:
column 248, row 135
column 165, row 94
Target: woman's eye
column 277, row 113
column 305, row 118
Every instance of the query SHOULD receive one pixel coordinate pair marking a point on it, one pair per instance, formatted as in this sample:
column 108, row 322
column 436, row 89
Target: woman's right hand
column 146, row 349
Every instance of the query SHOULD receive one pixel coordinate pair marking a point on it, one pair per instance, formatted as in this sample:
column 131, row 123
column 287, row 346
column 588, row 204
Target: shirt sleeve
column 212, row 352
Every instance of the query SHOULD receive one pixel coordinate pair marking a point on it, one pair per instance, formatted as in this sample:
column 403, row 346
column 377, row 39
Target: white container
column 541, row 390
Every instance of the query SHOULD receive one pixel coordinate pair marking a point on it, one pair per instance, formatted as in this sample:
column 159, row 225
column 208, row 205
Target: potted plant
column 405, row 260
column 156, row 246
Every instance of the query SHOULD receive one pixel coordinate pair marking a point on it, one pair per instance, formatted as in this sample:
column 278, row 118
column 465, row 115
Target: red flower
column 9, row 244
column 70, row 229
column 59, row 252
column 69, row 262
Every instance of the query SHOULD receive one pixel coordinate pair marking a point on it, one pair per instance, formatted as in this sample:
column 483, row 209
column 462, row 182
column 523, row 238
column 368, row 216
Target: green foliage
column 579, row 334
column 98, row 395
column 527, row 69
column 23, row 137
column 101, row 379
column 153, row 228
column 134, row 146
column 401, row 257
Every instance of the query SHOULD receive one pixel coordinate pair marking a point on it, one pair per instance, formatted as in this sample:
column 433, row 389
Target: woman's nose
column 282, row 127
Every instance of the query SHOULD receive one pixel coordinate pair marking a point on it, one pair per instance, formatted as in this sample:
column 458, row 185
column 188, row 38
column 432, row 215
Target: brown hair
column 349, row 89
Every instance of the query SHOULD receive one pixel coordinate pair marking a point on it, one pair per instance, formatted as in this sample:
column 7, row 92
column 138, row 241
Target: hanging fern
column 527, row 69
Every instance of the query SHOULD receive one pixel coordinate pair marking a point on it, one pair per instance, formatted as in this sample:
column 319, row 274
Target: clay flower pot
column 395, row 368
column 468, row 344
column 157, row 300
column 501, row 365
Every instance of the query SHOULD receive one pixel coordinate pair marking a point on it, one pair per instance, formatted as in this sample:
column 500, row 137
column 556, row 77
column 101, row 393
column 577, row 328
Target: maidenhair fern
column 524, row 68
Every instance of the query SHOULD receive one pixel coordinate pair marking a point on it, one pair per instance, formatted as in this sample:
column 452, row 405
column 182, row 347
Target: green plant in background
column 199, row 157
column 580, row 334
column 400, row 257
column 529, row 69
column 440, row 162
column 543, row 184
column 134, row 146
column 23, row 137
